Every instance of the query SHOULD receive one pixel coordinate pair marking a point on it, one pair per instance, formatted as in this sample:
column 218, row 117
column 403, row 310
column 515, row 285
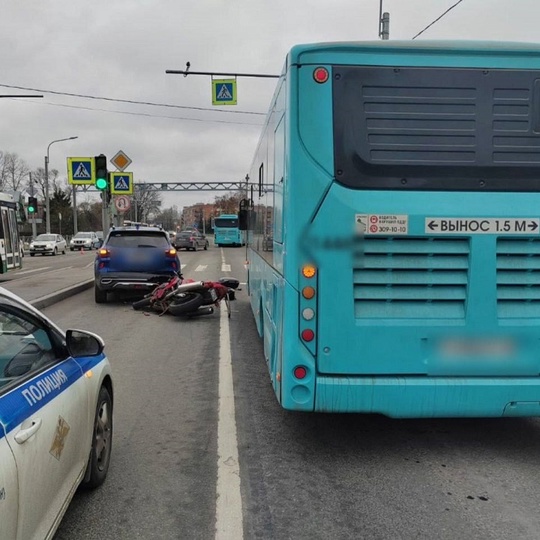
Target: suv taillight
column 171, row 252
column 104, row 253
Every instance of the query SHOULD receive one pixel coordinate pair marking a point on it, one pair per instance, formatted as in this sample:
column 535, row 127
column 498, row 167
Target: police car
column 56, row 426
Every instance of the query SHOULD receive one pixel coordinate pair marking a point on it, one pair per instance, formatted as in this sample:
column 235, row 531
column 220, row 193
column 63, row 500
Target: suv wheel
column 99, row 296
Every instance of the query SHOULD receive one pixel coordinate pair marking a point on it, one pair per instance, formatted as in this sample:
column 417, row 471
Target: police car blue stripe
column 25, row 400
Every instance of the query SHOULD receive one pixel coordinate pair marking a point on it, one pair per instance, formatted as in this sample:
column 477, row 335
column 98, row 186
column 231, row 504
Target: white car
column 84, row 240
column 56, row 423
column 48, row 243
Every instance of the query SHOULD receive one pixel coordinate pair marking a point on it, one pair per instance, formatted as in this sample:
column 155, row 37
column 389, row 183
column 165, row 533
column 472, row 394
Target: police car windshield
column 135, row 239
column 46, row 237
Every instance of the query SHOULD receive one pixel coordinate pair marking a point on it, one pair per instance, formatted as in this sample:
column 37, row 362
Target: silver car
column 48, row 243
column 84, row 240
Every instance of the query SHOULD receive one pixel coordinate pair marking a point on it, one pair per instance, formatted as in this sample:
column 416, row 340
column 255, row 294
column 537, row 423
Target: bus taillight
column 308, row 270
column 300, row 372
column 320, row 75
column 308, row 334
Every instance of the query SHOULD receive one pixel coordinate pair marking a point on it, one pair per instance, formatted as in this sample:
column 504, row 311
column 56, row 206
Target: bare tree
column 38, row 177
column 145, row 202
column 13, row 172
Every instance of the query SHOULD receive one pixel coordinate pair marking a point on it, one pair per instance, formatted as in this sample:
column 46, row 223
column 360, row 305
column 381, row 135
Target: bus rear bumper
column 429, row 397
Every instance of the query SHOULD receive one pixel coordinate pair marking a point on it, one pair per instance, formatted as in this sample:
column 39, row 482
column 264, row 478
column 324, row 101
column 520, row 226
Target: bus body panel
column 411, row 325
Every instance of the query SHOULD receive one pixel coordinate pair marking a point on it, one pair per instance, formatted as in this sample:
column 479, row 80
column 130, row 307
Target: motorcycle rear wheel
column 186, row 303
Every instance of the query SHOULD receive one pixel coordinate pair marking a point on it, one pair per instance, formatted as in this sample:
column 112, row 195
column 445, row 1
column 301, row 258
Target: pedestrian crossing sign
column 224, row 92
column 81, row 170
column 122, row 183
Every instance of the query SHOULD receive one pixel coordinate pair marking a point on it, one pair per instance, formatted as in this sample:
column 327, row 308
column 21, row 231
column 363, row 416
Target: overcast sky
column 121, row 48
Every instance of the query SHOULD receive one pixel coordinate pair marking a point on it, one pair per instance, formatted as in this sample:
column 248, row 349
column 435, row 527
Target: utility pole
column 384, row 22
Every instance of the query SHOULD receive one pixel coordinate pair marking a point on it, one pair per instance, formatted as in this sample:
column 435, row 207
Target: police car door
column 44, row 411
column 9, row 497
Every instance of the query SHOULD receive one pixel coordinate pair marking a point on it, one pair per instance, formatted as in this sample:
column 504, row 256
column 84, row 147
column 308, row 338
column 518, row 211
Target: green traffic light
column 101, row 183
column 31, row 209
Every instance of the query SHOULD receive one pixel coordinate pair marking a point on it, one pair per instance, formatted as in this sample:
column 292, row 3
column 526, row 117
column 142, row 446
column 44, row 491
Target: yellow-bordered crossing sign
column 81, row 170
column 224, row 92
column 121, row 183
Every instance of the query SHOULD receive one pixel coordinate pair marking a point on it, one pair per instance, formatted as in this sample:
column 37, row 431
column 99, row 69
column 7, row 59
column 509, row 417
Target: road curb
column 58, row 296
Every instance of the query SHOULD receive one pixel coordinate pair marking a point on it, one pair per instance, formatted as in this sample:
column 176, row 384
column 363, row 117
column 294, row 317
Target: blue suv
column 133, row 260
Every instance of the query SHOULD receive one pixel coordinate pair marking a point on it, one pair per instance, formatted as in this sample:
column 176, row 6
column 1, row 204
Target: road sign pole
column 75, row 231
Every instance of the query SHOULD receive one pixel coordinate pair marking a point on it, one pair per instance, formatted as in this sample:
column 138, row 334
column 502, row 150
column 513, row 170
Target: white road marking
column 35, row 270
column 182, row 266
column 228, row 500
column 201, row 267
column 89, row 264
column 225, row 267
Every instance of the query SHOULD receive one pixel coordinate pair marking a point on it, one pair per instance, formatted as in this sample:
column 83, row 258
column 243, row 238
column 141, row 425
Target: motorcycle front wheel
column 186, row 303
column 141, row 304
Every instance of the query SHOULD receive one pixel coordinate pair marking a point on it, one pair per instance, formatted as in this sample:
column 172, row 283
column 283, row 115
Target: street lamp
column 47, row 209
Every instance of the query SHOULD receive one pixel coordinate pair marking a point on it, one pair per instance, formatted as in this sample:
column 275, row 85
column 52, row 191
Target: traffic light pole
column 34, row 225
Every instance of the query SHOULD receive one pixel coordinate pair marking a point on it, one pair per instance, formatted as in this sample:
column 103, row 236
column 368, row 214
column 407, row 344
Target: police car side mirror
column 81, row 343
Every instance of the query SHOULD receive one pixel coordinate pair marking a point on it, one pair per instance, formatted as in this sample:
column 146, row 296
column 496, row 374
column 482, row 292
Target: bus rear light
column 308, row 334
column 308, row 270
column 320, row 75
column 308, row 314
column 308, row 293
column 300, row 372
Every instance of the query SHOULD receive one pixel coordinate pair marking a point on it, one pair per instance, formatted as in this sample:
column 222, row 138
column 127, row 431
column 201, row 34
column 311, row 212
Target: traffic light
column 32, row 205
column 102, row 177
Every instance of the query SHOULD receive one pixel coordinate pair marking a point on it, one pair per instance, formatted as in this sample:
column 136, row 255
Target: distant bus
column 402, row 184
column 227, row 231
column 10, row 243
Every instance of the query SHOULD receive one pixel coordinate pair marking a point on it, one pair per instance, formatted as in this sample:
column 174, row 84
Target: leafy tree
column 60, row 204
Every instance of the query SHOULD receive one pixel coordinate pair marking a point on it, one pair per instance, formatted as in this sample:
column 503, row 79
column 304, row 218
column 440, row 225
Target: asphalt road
column 303, row 476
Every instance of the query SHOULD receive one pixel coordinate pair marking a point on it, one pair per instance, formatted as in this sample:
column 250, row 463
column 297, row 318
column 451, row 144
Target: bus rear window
column 436, row 129
column 226, row 222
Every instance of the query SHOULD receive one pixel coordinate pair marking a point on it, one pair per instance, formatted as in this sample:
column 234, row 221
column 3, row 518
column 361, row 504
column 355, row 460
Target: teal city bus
column 401, row 181
column 227, row 231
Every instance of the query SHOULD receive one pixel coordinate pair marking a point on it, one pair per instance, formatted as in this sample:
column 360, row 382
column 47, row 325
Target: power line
column 146, row 114
column 130, row 101
column 438, row 18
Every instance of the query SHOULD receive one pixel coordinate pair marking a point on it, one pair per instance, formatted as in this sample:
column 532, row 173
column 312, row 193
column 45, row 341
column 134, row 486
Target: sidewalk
column 43, row 290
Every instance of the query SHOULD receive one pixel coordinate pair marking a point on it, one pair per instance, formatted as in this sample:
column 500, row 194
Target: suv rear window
column 135, row 239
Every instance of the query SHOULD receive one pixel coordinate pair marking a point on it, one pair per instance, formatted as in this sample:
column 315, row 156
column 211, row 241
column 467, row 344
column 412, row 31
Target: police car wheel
column 100, row 455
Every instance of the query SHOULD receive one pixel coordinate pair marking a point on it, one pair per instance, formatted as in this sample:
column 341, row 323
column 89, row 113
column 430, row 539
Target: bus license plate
column 475, row 348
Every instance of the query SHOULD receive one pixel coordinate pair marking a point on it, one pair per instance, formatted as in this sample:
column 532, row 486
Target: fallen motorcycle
column 189, row 298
